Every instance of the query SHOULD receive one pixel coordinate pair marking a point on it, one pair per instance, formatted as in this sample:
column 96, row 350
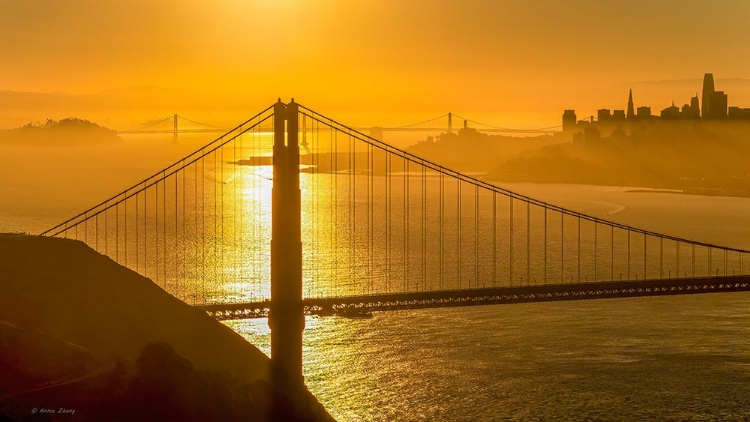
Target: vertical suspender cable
column 178, row 284
column 106, row 252
column 222, row 245
column 408, row 221
column 494, row 238
column 235, row 278
column 195, row 231
column 693, row 259
column 371, row 206
column 661, row 258
column 645, row 256
column 137, row 234
column 145, row 233
column 628, row 255
column 441, row 228
column 458, row 231
column 164, row 224
column 331, row 222
column 216, row 228
column 528, row 242
column 545, row 244
column 562, row 248
column 424, row 227
column 510, row 241
column 596, row 242
column 125, row 206
column 612, row 254
column 203, row 225
column 388, row 193
column 352, row 206
column 579, row 248
column 156, row 229
column 476, row 235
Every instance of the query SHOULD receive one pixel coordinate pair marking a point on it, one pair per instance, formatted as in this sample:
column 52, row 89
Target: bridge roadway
column 364, row 305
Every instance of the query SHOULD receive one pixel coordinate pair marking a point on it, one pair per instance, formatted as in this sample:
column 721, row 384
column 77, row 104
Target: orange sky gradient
column 375, row 61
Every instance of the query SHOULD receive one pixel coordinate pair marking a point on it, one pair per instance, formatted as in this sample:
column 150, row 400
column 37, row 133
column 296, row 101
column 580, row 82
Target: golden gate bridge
column 341, row 223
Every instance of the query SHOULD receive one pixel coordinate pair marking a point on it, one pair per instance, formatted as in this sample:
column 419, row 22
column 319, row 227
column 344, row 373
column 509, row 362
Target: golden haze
column 370, row 62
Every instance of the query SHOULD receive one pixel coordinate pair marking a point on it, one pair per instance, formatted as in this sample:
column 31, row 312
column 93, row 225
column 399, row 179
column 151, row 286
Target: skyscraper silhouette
column 569, row 121
column 631, row 109
column 695, row 106
column 708, row 90
column 717, row 104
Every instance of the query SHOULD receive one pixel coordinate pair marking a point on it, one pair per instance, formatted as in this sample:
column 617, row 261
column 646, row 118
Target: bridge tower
column 286, row 318
column 175, row 128
column 450, row 122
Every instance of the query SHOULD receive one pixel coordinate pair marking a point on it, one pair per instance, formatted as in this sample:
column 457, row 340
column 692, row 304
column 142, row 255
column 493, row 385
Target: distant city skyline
column 713, row 106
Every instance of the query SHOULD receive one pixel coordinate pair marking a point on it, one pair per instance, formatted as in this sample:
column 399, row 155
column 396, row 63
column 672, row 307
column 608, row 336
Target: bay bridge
column 292, row 213
column 442, row 123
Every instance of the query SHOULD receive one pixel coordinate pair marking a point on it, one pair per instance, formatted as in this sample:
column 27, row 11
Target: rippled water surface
column 660, row 358
column 678, row 358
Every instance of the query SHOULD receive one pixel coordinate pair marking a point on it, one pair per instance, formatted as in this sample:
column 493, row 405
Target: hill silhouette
column 70, row 131
column 66, row 290
column 473, row 151
column 708, row 159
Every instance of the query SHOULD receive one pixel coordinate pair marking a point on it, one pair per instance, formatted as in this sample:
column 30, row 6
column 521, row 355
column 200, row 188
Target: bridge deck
column 364, row 305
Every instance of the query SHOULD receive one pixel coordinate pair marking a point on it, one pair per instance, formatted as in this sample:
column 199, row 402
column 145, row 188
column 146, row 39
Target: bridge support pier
column 286, row 317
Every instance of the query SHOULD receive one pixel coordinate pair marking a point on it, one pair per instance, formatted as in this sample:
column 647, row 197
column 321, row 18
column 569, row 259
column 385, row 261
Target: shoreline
column 633, row 188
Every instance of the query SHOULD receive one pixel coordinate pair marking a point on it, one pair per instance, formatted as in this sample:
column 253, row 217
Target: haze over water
column 678, row 358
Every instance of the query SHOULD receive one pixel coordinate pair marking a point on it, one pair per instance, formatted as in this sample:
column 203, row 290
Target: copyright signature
column 56, row 411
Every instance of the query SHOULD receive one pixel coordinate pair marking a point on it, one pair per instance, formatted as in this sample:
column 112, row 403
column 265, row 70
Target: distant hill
column 706, row 158
column 59, row 132
column 472, row 151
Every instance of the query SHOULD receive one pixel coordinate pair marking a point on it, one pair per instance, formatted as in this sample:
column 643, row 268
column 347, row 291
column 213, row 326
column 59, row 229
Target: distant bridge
column 442, row 123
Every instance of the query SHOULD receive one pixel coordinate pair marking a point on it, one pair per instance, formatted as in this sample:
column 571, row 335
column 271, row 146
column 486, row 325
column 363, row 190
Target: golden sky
column 419, row 57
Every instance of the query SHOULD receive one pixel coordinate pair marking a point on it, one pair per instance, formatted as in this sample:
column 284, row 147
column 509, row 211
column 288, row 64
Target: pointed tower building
column 631, row 108
column 708, row 90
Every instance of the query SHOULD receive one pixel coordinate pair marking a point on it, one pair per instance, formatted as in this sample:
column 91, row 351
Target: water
column 677, row 358
column 660, row 358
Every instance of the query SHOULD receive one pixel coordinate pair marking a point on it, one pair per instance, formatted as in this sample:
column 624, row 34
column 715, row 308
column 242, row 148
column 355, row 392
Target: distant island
column 70, row 131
